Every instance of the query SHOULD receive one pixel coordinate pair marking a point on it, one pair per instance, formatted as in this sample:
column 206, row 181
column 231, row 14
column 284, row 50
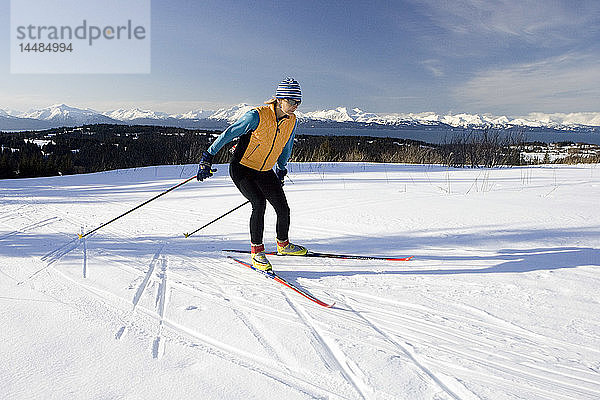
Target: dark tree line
column 98, row 148
column 94, row 148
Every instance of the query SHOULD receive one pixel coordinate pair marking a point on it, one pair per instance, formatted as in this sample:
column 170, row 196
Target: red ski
column 279, row 279
column 330, row 255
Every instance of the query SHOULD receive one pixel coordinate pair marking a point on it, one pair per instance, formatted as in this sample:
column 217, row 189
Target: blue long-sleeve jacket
column 245, row 125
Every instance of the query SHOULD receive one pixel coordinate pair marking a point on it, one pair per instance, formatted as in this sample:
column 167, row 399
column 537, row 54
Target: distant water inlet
column 452, row 147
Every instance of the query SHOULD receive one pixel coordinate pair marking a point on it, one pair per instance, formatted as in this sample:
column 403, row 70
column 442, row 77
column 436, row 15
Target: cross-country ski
column 278, row 278
column 327, row 255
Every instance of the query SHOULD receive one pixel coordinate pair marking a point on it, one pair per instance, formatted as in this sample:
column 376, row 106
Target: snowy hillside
column 500, row 301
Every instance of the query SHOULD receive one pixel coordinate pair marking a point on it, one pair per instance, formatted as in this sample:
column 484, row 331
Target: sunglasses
column 293, row 102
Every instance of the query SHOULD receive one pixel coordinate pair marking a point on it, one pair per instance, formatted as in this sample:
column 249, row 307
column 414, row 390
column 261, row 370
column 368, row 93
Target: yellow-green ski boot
column 286, row 248
column 259, row 259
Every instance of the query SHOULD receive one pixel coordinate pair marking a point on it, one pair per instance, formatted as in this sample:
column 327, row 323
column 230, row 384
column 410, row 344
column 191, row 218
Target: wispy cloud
column 540, row 22
column 566, row 83
column 435, row 67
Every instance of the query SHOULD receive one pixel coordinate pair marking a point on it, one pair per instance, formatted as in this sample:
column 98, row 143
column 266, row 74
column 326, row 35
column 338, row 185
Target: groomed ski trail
column 332, row 354
column 449, row 385
column 174, row 331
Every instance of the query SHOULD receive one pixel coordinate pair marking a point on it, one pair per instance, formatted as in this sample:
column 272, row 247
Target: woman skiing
column 266, row 138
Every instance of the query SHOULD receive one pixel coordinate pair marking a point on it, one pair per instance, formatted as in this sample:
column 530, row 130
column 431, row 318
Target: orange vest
column 268, row 139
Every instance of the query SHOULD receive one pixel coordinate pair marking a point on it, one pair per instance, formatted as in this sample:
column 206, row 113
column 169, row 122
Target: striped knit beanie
column 289, row 89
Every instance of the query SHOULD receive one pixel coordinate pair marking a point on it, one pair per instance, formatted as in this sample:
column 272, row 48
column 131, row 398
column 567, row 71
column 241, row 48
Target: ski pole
column 215, row 220
column 81, row 236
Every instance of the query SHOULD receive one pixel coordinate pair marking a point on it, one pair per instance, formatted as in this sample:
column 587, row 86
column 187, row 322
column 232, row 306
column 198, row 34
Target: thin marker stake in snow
column 81, row 236
column 84, row 256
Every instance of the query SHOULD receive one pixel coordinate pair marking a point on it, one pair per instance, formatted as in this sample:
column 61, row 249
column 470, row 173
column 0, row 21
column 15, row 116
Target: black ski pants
column 260, row 187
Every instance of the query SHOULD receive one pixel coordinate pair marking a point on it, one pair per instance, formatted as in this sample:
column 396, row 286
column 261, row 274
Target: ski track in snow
column 161, row 303
column 452, row 345
column 331, row 354
column 30, row 227
column 236, row 356
column 267, row 344
column 403, row 347
column 159, row 340
column 483, row 349
column 236, row 304
column 147, row 277
column 140, row 290
column 226, row 352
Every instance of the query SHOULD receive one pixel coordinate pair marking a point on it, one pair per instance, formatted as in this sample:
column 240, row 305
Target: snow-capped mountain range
column 63, row 115
column 538, row 120
column 66, row 115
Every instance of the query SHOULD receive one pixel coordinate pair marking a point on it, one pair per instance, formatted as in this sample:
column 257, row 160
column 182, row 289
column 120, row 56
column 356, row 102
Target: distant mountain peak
column 63, row 114
column 194, row 114
column 339, row 114
column 233, row 113
column 131, row 114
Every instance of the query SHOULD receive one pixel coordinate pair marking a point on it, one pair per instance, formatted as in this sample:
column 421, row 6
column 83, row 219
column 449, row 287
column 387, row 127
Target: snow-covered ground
column 500, row 301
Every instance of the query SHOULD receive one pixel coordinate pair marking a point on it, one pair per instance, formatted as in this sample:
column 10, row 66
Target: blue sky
column 508, row 57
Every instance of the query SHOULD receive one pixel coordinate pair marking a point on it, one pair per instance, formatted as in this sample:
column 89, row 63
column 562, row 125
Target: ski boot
column 288, row 249
column 259, row 259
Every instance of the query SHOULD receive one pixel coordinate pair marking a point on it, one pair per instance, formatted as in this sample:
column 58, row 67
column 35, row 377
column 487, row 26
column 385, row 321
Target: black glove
column 281, row 173
column 204, row 168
